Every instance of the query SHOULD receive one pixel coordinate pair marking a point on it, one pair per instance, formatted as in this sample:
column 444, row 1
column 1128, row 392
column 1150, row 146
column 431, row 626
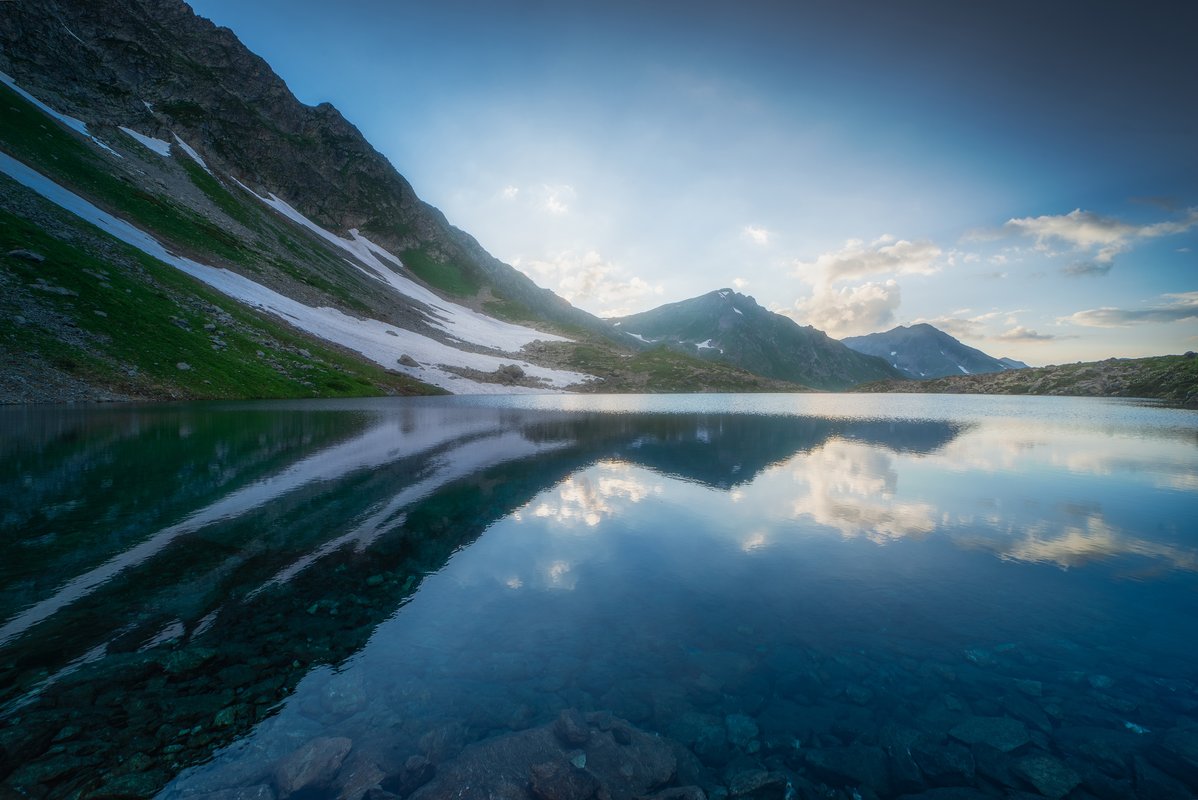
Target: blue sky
column 1023, row 175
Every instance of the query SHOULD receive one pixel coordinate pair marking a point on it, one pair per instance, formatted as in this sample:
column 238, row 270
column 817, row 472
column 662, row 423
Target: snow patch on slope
column 459, row 322
column 706, row 345
column 191, row 152
column 149, row 142
column 378, row 341
column 77, row 125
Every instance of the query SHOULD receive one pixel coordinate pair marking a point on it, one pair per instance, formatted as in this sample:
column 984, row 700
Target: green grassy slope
column 126, row 322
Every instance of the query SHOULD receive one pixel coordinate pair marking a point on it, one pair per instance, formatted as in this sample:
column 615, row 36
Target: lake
column 565, row 597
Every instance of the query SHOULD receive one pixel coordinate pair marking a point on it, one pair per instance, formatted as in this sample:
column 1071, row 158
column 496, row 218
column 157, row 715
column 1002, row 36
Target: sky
column 1023, row 175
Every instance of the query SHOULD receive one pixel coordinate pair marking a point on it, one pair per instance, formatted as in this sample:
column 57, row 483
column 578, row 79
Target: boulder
column 562, row 780
column 311, row 766
column 1001, row 733
column 1047, row 775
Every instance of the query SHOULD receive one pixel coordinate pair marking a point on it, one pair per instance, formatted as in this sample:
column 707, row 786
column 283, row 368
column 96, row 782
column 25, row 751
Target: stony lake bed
column 774, row 596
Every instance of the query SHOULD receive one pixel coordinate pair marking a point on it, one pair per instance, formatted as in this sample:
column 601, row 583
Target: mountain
column 922, row 351
column 174, row 223
column 731, row 327
column 1173, row 379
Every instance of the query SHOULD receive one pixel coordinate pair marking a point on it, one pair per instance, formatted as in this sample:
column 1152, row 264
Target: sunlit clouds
column 588, row 280
column 849, row 310
column 842, row 310
column 1088, row 232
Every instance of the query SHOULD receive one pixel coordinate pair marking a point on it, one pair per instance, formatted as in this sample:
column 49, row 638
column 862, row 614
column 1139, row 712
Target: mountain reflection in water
column 184, row 578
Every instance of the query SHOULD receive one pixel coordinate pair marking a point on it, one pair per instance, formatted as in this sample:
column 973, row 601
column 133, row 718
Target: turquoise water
column 829, row 596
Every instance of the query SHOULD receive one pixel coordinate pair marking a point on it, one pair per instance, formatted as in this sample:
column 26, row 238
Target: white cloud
column 589, row 281
column 556, row 198
column 884, row 256
column 1105, row 237
column 756, row 234
column 1021, row 334
column 850, row 310
column 739, row 284
column 1176, row 307
column 509, row 192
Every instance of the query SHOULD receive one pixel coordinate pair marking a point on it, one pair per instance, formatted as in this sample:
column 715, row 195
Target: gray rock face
column 538, row 758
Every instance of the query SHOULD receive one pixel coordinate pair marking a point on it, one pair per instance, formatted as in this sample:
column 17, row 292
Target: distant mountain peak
column 924, row 351
column 728, row 326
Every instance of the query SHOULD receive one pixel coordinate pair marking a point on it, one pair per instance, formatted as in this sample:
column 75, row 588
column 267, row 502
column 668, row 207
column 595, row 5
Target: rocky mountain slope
column 730, row 327
column 1173, row 379
column 923, row 351
column 175, row 224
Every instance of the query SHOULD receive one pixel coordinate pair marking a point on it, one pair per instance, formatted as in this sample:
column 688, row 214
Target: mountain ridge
column 725, row 325
column 923, row 351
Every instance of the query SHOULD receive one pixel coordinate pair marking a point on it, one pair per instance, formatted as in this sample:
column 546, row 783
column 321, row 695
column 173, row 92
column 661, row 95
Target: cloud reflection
column 590, row 496
column 851, row 487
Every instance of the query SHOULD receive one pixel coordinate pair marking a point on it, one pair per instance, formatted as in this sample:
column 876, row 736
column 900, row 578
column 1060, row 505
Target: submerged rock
column 949, row 764
column 507, row 765
column 1047, row 775
column 311, row 766
column 1001, row 733
column 741, row 729
column 855, row 765
column 559, row 780
column 571, row 728
column 758, row 785
column 1178, row 755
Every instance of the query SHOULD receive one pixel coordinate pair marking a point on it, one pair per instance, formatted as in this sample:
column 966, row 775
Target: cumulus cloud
column 756, row 234
column 1021, row 334
column 1173, row 308
column 589, row 281
column 739, row 284
column 850, row 310
column 509, row 192
column 857, row 259
column 1105, row 237
column 1081, row 269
